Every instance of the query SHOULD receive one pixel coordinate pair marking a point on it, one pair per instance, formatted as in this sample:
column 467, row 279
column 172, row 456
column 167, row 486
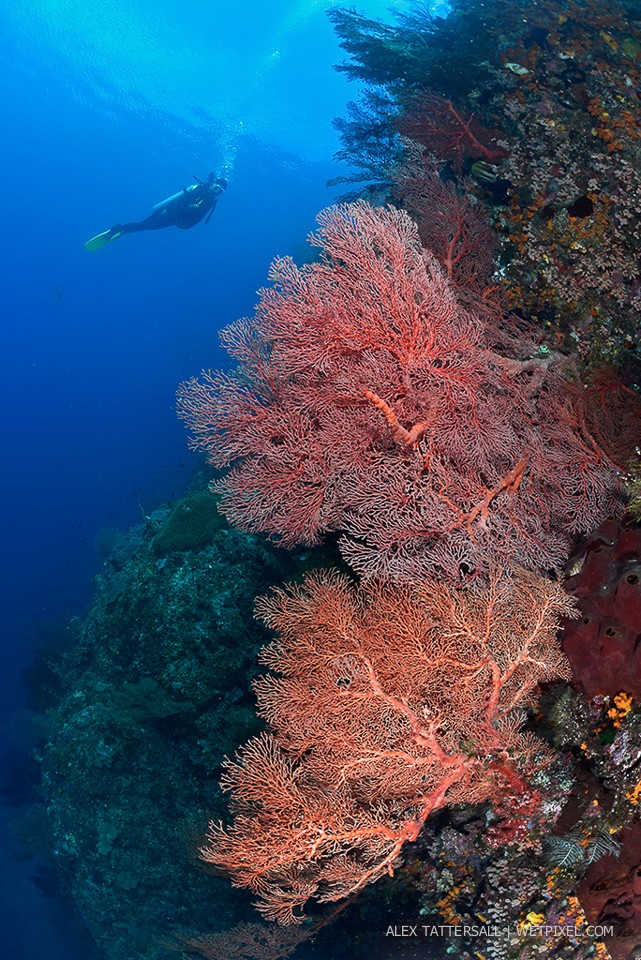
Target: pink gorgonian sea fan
column 367, row 400
column 384, row 704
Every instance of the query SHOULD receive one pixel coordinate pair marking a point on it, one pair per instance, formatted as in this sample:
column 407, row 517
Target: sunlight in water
column 206, row 67
column 207, row 64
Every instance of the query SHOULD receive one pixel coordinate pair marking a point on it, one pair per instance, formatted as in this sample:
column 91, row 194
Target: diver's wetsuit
column 183, row 210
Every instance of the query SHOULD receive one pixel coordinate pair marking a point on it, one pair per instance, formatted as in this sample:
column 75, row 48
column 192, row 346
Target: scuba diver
column 184, row 210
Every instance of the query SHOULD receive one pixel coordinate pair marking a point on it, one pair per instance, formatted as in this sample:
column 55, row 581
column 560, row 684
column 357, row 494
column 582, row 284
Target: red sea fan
column 368, row 401
column 448, row 133
column 452, row 224
column 613, row 415
column 385, row 704
column 247, row 941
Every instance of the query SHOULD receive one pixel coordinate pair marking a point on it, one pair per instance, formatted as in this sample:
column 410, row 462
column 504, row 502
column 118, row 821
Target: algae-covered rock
column 151, row 695
column 191, row 525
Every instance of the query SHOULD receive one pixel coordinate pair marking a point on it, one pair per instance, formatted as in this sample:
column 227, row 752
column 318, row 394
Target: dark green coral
column 153, row 692
column 192, row 524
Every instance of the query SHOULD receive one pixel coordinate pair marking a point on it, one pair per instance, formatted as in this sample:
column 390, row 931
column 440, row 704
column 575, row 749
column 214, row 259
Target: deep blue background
column 105, row 109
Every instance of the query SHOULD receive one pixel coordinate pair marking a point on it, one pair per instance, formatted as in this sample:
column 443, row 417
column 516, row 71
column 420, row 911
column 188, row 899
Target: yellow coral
column 634, row 795
column 601, row 952
column 534, row 919
column 623, row 702
column 610, row 41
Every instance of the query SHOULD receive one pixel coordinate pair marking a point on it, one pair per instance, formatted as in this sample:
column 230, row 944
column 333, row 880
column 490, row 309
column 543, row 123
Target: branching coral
column 369, row 402
column 387, row 704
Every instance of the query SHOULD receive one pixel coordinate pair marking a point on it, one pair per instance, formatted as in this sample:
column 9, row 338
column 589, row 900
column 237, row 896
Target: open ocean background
column 106, row 109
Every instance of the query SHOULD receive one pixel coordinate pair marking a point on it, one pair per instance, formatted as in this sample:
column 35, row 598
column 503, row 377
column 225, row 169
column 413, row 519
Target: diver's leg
column 155, row 221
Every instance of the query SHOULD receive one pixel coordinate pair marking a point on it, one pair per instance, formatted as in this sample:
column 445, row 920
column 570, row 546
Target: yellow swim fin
column 101, row 240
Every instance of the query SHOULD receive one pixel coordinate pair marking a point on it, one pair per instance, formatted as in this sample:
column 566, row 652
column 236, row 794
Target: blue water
column 106, row 109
